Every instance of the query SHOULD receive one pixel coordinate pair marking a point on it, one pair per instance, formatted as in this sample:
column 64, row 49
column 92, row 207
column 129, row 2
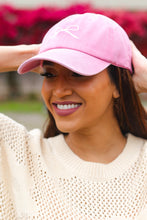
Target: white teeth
column 69, row 106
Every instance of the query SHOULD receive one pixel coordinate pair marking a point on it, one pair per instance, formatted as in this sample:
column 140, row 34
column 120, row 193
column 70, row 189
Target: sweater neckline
column 93, row 170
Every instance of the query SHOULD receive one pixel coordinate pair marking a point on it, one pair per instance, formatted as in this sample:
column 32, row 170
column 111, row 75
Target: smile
column 69, row 106
column 65, row 109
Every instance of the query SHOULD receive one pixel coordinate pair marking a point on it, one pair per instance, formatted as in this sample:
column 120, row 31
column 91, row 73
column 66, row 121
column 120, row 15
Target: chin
column 66, row 128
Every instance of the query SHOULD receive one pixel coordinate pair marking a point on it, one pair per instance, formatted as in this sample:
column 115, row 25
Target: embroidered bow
column 67, row 30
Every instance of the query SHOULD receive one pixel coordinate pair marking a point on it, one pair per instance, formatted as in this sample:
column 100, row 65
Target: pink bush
column 29, row 25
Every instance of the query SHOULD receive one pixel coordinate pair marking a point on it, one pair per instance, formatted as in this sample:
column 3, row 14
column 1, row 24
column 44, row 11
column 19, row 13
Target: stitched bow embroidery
column 68, row 30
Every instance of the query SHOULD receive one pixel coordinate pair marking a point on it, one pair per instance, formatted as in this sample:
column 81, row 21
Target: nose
column 62, row 88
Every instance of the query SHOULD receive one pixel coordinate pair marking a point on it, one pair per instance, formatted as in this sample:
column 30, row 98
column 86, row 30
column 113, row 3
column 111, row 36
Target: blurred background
column 26, row 22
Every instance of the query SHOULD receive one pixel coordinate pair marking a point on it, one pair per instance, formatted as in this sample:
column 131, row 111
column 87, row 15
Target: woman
column 93, row 166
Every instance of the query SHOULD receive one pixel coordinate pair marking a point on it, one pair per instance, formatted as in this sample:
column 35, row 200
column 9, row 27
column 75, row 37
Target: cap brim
column 76, row 61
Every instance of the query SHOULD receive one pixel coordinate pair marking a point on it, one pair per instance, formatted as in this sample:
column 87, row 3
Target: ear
column 115, row 94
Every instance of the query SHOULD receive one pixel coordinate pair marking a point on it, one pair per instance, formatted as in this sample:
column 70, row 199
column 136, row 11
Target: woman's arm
column 140, row 69
column 12, row 56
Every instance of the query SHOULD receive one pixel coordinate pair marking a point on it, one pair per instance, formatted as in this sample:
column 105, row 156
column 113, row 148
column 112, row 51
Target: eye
column 76, row 74
column 48, row 75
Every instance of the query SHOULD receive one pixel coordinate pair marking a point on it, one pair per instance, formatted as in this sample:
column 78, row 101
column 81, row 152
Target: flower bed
column 25, row 26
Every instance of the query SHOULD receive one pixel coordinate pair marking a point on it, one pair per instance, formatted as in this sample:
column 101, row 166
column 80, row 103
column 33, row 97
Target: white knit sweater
column 43, row 179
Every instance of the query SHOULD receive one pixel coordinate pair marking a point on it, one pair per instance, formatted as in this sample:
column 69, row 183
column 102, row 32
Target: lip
column 65, row 112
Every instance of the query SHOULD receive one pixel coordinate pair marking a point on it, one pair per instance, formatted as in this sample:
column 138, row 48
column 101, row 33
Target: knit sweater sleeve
column 12, row 135
column 14, row 158
column 16, row 139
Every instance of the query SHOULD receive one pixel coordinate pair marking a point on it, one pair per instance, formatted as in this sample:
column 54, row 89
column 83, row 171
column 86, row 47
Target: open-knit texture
column 43, row 179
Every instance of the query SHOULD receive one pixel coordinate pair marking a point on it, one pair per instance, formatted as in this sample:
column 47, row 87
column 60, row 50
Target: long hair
column 130, row 114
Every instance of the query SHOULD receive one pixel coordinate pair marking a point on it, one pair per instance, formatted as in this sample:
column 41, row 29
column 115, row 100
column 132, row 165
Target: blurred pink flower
column 29, row 25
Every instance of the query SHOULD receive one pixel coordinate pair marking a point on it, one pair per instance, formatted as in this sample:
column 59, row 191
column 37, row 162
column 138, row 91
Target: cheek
column 45, row 92
column 100, row 98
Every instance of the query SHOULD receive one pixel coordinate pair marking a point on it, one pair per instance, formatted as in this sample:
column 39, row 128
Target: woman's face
column 77, row 102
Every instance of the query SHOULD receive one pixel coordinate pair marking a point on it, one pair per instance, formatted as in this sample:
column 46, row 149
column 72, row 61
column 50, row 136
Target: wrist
column 25, row 52
column 13, row 56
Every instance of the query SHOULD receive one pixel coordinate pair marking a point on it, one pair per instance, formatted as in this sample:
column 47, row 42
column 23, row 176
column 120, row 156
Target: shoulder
column 143, row 146
column 57, row 143
column 138, row 142
column 141, row 163
column 138, row 147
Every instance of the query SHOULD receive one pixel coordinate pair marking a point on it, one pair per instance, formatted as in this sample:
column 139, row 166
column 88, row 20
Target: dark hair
column 130, row 113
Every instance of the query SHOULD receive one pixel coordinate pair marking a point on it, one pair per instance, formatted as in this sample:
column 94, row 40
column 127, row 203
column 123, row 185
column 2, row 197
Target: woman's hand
column 140, row 70
column 12, row 56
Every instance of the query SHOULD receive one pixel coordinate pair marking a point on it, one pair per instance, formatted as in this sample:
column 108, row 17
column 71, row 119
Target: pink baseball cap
column 84, row 43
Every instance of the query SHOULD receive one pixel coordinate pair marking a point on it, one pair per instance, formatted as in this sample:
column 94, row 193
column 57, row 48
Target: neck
column 101, row 144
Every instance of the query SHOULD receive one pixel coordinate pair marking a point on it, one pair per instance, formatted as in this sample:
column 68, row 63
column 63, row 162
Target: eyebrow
column 46, row 62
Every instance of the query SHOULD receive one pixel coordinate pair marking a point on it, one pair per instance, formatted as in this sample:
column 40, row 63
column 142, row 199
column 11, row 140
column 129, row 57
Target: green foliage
column 21, row 106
